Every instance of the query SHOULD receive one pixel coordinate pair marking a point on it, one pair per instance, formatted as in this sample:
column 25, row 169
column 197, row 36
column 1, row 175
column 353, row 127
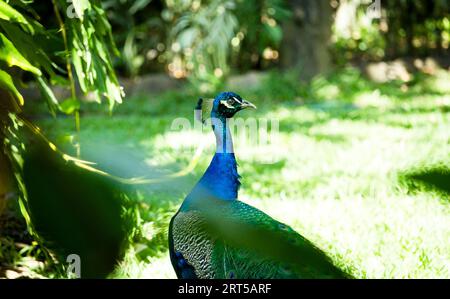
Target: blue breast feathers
column 221, row 180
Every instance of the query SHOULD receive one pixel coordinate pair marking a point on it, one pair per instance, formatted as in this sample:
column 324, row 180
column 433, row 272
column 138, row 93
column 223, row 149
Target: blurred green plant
column 76, row 211
column 77, row 51
column 357, row 36
column 200, row 39
column 260, row 32
column 417, row 27
column 139, row 31
column 197, row 39
column 407, row 27
column 208, row 36
column 82, row 41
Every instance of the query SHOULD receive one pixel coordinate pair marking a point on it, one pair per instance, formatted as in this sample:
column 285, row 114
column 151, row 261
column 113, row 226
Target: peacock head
column 227, row 104
column 223, row 107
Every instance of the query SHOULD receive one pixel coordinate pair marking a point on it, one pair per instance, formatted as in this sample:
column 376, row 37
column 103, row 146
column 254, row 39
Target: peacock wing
column 254, row 245
column 236, row 240
column 191, row 245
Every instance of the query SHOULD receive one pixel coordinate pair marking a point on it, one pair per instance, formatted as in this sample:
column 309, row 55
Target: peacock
column 213, row 235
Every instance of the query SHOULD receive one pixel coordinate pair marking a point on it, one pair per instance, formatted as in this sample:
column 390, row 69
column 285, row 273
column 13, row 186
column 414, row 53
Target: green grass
column 341, row 178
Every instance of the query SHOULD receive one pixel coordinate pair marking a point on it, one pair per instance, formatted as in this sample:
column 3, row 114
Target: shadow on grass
column 432, row 179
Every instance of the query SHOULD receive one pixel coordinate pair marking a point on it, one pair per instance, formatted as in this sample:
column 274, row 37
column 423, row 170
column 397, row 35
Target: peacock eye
column 231, row 101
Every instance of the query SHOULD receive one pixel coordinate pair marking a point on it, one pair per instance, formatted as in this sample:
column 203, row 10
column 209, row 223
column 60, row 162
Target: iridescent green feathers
column 235, row 240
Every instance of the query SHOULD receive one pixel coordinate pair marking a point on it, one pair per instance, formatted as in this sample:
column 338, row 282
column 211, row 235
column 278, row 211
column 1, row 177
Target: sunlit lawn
column 339, row 171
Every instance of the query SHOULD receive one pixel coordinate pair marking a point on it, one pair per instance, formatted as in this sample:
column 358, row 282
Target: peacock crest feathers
column 203, row 109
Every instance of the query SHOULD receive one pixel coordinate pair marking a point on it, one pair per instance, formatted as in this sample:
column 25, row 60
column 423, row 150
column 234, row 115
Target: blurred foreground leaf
column 75, row 211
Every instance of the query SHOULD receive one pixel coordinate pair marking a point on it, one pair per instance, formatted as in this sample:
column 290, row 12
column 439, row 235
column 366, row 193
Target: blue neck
column 221, row 179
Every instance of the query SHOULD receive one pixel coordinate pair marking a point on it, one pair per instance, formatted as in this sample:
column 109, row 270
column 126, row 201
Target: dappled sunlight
column 183, row 140
column 379, row 234
column 180, row 146
column 439, row 83
column 154, row 267
column 374, row 99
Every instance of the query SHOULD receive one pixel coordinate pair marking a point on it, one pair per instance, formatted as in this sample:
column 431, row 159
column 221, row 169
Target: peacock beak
column 246, row 104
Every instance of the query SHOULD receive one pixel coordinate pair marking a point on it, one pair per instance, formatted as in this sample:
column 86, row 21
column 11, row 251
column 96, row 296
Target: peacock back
column 235, row 240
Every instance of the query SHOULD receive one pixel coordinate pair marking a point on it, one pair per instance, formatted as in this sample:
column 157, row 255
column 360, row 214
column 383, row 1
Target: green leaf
column 69, row 106
column 10, row 14
column 7, row 83
column 12, row 56
column 187, row 37
column 77, row 63
column 47, row 93
column 104, row 27
column 114, row 92
column 138, row 5
column 80, row 6
column 274, row 33
column 33, row 48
